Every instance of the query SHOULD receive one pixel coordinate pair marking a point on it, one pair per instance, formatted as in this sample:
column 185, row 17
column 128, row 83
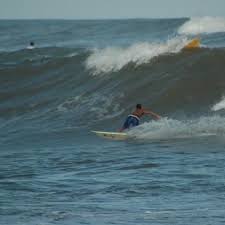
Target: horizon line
column 119, row 18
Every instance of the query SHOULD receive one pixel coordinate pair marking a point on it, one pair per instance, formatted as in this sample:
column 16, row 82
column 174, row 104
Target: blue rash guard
column 131, row 121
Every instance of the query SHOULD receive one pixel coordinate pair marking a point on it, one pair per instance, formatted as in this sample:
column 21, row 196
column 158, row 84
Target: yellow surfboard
column 195, row 43
column 118, row 136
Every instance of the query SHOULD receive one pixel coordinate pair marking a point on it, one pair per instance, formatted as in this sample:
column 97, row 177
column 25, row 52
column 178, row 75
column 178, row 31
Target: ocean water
column 89, row 75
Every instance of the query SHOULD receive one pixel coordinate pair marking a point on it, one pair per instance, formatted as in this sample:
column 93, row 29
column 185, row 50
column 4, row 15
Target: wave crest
column 113, row 59
column 202, row 25
column 220, row 105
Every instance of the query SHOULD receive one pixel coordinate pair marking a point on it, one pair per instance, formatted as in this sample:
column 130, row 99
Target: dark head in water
column 138, row 106
column 31, row 45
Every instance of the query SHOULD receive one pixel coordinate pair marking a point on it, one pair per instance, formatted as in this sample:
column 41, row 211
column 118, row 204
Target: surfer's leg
column 134, row 122
column 126, row 123
column 130, row 122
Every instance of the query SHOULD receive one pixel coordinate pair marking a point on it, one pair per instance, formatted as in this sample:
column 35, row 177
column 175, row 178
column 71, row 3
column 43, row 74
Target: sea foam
column 166, row 128
column 113, row 59
column 199, row 25
column 220, row 105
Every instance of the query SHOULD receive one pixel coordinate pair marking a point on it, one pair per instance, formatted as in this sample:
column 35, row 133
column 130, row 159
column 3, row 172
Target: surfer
column 134, row 118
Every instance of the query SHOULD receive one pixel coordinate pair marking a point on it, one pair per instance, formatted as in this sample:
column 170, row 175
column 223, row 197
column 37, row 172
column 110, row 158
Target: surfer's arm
column 148, row 112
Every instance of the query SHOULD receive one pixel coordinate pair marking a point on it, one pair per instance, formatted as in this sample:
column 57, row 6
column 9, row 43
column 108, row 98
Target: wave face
column 101, row 69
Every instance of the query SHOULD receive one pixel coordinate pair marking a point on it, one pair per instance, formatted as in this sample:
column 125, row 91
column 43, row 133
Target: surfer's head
column 138, row 106
column 31, row 43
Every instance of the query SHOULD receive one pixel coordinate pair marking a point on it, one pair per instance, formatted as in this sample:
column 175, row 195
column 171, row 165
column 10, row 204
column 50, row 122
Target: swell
column 190, row 80
column 36, row 81
column 62, row 90
column 193, row 80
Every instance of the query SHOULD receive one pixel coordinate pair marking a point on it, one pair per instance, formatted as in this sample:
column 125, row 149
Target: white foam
column 71, row 55
column 203, row 25
column 113, row 59
column 30, row 47
column 220, row 105
column 171, row 129
column 99, row 106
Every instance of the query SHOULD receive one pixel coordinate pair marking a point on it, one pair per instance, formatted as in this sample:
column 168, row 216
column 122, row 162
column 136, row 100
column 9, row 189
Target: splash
column 206, row 25
column 113, row 59
column 220, row 105
column 172, row 129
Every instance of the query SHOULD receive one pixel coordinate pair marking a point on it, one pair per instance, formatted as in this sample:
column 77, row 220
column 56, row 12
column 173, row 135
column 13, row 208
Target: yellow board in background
column 195, row 43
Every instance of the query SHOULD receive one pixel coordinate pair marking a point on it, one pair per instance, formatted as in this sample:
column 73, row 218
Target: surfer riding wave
column 134, row 118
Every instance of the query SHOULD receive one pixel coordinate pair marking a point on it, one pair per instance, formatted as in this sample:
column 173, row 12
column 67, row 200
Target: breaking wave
column 113, row 59
column 219, row 106
column 207, row 25
column 62, row 85
column 55, row 88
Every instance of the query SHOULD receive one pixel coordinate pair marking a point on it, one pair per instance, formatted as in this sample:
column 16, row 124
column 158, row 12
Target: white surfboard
column 119, row 136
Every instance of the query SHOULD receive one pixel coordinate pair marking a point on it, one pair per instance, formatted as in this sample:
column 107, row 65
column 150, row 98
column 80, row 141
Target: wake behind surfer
column 134, row 118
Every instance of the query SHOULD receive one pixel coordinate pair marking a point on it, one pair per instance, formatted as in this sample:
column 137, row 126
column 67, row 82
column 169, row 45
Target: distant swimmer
column 31, row 46
column 134, row 118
